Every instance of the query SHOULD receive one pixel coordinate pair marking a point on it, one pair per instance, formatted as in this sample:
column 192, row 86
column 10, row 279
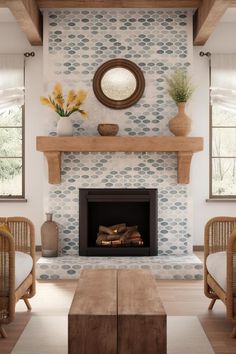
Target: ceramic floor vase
column 49, row 237
column 181, row 124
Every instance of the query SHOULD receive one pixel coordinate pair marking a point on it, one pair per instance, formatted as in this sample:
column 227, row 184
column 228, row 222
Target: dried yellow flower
column 81, row 95
column 46, row 102
column 65, row 107
column 57, row 90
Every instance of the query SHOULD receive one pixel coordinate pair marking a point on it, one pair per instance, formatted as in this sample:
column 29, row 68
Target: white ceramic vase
column 64, row 127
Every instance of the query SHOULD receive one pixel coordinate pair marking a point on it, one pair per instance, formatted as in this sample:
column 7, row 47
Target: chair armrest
column 7, row 277
column 22, row 230
column 231, row 276
column 217, row 234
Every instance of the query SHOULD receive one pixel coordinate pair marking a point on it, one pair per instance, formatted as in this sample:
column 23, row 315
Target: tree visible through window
column 11, row 153
column 12, row 98
column 223, row 126
column 223, row 148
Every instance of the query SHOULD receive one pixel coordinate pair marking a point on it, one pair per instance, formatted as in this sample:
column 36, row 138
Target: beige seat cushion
column 216, row 266
column 23, row 267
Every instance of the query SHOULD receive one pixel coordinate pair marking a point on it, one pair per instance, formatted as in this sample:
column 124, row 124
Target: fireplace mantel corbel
column 184, row 147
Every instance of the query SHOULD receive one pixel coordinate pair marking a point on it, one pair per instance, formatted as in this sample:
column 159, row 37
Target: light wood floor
column 180, row 298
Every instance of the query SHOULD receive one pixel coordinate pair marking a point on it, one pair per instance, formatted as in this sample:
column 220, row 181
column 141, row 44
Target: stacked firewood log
column 119, row 235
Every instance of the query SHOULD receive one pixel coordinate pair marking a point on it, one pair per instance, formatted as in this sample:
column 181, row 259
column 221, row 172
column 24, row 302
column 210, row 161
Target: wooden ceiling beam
column 206, row 19
column 119, row 3
column 29, row 19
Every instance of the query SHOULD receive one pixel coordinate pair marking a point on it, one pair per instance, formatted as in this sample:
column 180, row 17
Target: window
column 11, row 153
column 223, row 149
column 11, row 126
column 223, row 127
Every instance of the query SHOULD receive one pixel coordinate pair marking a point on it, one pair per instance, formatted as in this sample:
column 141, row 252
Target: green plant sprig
column 179, row 86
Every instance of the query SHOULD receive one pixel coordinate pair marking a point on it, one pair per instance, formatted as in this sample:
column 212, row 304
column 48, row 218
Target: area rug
column 48, row 335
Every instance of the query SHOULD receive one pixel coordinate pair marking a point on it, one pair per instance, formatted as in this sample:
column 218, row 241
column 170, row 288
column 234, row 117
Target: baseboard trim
column 198, row 248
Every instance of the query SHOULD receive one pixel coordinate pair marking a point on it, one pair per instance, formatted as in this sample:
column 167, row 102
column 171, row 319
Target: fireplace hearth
column 117, row 222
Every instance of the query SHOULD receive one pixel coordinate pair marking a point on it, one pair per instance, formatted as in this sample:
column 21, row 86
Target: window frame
column 211, row 157
column 21, row 197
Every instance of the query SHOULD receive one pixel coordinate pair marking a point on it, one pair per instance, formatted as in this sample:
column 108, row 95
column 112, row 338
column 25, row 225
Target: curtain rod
column 29, row 54
column 203, row 54
column 26, row 54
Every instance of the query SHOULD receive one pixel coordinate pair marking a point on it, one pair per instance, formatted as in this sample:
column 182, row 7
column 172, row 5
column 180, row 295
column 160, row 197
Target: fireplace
column 117, row 222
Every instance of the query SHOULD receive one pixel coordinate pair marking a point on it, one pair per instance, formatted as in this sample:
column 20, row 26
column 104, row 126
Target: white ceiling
column 229, row 16
column 6, row 16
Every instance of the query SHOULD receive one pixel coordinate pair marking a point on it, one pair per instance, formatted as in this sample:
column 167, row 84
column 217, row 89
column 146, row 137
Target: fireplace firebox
column 117, row 222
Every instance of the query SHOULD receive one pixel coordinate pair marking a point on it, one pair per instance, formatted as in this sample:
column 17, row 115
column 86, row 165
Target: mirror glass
column 118, row 84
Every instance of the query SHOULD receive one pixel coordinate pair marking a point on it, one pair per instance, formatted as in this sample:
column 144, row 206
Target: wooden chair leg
column 233, row 334
column 27, row 304
column 3, row 332
column 212, row 304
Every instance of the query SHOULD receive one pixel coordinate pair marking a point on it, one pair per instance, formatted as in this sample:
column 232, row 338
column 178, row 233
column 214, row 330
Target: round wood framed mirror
column 118, row 83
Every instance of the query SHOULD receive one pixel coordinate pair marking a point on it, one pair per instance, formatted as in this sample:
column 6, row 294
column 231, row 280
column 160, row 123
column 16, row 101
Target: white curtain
column 11, row 80
column 223, row 80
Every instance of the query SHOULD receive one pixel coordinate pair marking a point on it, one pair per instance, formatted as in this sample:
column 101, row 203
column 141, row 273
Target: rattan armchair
column 220, row 236
column 22, row 239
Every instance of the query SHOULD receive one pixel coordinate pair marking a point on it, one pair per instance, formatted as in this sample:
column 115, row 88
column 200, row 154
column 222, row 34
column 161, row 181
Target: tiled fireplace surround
column 76, row 43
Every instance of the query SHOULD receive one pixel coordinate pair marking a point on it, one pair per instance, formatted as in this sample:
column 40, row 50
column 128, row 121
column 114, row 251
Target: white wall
column 13, row 41
column 221, row 41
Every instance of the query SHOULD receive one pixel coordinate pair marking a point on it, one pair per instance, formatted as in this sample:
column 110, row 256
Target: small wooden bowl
column 106, row 129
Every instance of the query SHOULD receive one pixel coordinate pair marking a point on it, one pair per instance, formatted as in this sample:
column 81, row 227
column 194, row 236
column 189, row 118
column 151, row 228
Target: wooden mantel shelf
column 183, row 146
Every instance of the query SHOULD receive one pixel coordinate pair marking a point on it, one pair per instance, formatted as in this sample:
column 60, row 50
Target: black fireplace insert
column 118, row 222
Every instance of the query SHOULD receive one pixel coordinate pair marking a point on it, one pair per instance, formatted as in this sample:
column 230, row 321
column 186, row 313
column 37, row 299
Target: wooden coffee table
column 117, row 312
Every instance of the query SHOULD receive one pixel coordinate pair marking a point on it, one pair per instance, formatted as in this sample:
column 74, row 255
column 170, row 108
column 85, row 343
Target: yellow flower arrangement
column 65, row 105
